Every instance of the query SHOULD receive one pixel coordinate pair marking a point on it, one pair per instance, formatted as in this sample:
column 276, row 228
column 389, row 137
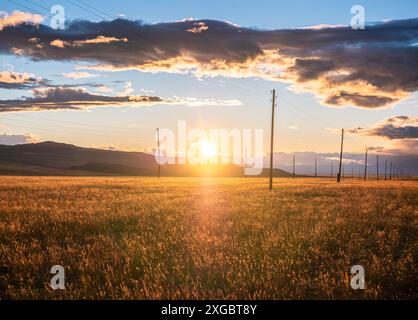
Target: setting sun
column 207, row 149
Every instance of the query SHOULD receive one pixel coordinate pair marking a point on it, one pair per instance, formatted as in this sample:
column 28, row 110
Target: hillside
column 52, row 158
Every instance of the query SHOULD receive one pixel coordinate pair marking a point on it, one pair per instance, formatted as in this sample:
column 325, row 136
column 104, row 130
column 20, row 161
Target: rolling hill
column 52, row 158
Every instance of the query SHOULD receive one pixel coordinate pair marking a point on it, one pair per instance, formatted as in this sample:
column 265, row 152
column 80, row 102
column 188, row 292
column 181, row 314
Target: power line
column 83, row 124
column 70, row 129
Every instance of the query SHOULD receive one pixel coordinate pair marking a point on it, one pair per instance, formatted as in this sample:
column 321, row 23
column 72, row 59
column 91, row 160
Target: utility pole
column 294, row 166
column 246, row 159
column 390, row 171
column 377, row 167
column 158, row 150
column 316, row 172
column 386, row 164
column 341, row 156
column 273, row 102
column 365, row 167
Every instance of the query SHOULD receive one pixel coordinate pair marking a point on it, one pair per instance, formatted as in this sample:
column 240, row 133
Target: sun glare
column 207, row 149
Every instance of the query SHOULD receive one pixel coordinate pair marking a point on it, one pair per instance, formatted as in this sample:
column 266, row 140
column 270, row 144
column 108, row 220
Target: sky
column 212, row 64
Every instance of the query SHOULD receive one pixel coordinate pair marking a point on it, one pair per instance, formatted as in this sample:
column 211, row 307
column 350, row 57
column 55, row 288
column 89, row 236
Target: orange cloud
column 18, row 17
column 78, row 43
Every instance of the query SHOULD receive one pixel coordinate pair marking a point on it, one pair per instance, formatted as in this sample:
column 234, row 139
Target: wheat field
column 191, row 238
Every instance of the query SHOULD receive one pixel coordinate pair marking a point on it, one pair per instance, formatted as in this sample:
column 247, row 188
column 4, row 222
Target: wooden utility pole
column 386, row 165
column 377, row 167
column 341, row 156
column 273, row 103
column 365, row 167
column 246, row 159
column 316, row 172
column 158, row 151
column 294, row 170
column 390, row 171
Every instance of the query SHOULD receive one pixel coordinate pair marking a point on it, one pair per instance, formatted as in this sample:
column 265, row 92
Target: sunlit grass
column 190, row 238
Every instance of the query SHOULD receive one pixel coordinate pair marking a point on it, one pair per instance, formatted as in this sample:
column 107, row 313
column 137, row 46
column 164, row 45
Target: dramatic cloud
column 62, row 98
column 394, row 128
column 369, row 68
column 14, row 80
column 12, row 139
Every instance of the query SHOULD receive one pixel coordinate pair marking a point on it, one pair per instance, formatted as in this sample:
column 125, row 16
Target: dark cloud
column 394, row 128
column 24, row 81
column 369, row 68
column 368, row 101
column 59, row 98
column 74, row 98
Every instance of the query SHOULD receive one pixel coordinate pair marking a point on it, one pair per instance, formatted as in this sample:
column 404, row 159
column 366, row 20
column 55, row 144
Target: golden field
column 191, row 238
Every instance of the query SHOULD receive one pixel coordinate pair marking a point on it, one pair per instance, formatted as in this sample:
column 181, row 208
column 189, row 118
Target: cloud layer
column 71, row 98
column 369, row 68
column 393, row 128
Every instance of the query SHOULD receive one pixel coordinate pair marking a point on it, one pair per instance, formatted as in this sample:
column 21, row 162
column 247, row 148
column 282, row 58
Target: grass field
column 190, row 238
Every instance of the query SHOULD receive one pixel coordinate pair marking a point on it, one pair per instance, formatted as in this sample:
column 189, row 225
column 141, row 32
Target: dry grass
column 136, row 238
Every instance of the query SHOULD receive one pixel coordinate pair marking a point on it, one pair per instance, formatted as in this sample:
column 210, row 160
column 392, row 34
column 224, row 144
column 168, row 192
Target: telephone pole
column 316, row 172
column 365, row 167
column 341, row 156
column 293, row 166
column 158, row 150
column 386, row 164
column 245, row 161
column 390, row 171
column 377, row 167
column 273, row 102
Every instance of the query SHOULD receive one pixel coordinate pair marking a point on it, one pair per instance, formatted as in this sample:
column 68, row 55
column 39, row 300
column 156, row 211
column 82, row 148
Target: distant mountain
column 52, row 158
